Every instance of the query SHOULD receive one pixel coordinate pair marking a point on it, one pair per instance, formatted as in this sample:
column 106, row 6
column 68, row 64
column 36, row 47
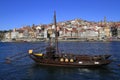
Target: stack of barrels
column 66, row 60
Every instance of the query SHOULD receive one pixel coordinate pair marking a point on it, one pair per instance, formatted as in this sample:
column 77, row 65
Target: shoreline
column 64, row 41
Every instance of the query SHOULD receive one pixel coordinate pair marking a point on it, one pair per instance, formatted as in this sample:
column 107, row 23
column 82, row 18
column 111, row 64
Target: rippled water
column 26, row 69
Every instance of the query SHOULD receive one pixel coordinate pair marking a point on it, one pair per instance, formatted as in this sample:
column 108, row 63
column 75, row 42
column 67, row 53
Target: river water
column 26, row 69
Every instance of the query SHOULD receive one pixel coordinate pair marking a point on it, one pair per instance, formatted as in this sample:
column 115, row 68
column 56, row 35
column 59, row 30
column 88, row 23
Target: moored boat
column 53, row 57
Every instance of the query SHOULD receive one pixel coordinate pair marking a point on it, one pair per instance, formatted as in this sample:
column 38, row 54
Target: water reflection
column 57, row 73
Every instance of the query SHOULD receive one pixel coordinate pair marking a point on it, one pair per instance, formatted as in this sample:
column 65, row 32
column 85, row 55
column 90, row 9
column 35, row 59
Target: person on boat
column 50, row 51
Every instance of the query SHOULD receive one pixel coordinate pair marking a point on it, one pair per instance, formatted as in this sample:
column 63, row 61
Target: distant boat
column 53, row 57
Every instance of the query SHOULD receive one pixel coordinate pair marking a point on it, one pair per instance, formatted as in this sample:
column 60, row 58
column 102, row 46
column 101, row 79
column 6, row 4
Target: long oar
column 9, row 60
column 20, row 55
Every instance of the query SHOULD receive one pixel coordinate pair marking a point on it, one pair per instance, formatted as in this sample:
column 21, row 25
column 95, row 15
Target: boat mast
column 56, row 33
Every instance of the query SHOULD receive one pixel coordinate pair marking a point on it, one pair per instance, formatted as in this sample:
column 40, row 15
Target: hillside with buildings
column 76, row 29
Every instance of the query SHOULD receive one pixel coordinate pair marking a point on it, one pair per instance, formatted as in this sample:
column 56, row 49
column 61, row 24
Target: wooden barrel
column 61, row 60
column 66, row 60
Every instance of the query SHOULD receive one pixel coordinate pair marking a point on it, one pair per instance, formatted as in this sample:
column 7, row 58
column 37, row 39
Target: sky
column 19, row 13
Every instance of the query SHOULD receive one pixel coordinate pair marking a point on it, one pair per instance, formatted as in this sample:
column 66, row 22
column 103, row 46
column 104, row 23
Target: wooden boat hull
column 74, row 65
column 81, row 64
